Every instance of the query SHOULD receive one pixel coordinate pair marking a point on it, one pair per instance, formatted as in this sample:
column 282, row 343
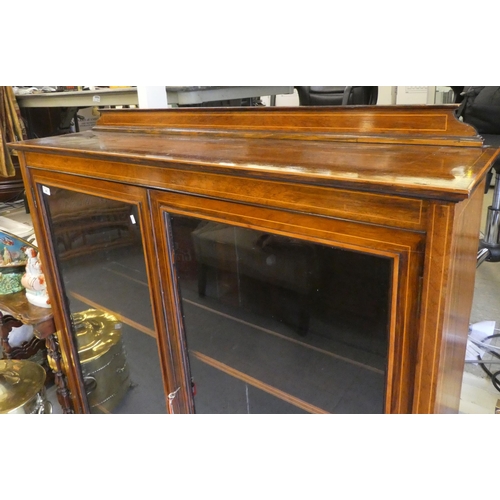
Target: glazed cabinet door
column 98, row 240
column 281, row 312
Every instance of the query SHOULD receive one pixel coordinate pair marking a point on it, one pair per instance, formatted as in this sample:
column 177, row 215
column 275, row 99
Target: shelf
column 84, row 98
column 126, row 97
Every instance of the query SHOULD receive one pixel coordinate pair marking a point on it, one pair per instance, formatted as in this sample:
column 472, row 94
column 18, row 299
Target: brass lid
column 96, row 332
column 20, row 381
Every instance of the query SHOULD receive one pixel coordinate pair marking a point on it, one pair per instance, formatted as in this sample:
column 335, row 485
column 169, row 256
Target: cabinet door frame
column 405, row 248
column 119, row 192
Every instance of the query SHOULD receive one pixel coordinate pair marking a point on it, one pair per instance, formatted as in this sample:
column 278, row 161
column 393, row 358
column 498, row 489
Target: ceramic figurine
column 7, row 258
column 34, row 280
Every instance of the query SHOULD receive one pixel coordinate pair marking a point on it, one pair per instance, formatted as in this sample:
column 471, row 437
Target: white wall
column 386, row 95
column 283, row 100
column 415, row 95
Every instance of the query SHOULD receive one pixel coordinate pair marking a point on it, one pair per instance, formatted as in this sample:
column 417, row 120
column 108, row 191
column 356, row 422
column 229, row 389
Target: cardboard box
column 87, row 118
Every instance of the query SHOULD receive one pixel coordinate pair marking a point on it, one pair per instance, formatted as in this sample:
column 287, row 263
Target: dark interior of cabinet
column 280, row 325
column 272, row 324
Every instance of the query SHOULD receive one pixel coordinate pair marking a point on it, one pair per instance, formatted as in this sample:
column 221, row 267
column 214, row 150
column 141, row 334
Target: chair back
column 337, row 96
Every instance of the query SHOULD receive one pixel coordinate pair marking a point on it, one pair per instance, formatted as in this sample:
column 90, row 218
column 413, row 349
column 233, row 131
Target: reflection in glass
column 280, row 325
column 99, row 251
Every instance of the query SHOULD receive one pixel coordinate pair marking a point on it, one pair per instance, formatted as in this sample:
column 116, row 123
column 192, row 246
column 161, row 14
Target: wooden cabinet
column 295, row 260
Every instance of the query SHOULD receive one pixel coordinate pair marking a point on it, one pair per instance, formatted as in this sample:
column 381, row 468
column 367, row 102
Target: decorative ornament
column 34, row 280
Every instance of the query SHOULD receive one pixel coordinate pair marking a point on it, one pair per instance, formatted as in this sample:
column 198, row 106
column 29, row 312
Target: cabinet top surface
column 415, row 150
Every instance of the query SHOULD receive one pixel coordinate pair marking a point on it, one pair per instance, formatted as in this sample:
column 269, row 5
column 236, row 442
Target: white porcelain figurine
column 34, row 280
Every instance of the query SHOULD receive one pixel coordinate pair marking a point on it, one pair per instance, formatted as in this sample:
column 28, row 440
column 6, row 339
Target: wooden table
column 20, row 311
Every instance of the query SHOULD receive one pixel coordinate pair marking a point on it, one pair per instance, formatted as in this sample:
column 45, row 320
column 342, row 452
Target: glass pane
column 281, row 325
column 101, row 260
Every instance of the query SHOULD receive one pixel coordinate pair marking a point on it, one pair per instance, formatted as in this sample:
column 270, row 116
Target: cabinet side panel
column 459, row 303
column 448, row 288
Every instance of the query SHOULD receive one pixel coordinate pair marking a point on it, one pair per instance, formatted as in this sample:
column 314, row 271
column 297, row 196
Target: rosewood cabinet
column 271, row 260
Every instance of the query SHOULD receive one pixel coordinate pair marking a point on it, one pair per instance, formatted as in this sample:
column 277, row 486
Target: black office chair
column 457, row 94
column 337, row 96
